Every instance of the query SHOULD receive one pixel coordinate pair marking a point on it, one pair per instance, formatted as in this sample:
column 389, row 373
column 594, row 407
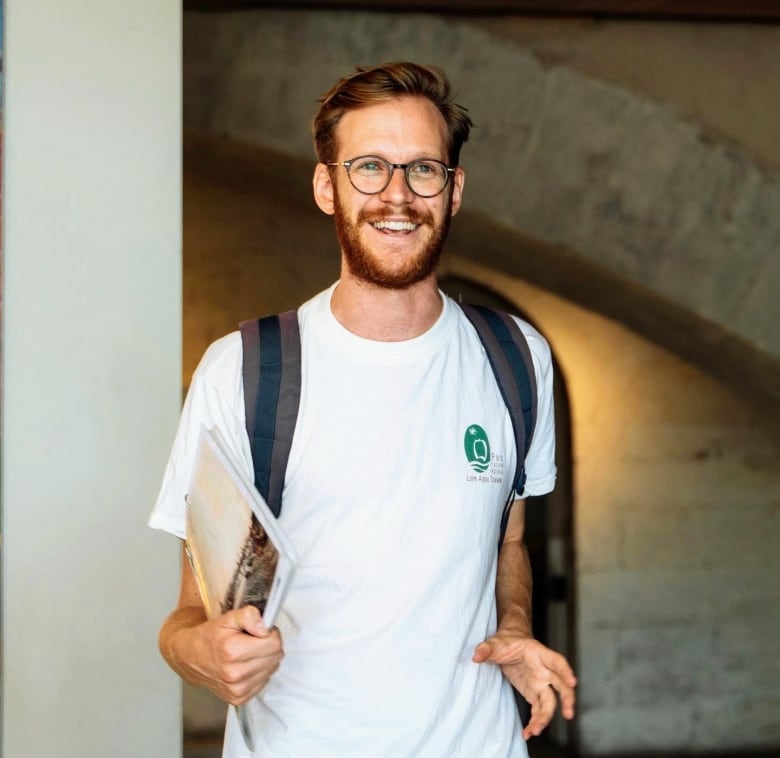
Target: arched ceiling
column 587, row 189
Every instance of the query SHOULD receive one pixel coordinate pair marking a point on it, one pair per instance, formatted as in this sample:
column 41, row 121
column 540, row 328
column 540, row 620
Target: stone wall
column 677, row 496
column 677, row 513
column 624, row 181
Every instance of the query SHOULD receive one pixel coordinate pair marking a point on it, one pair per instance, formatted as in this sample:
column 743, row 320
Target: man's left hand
column 536, row 672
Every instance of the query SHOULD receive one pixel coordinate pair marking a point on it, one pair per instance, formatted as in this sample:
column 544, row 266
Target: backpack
column 272, row 390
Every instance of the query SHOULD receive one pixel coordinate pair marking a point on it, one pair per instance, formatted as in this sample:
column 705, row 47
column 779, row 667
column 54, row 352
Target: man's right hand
column 233, row 655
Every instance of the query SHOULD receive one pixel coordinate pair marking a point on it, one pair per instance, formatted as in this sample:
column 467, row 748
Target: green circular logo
column 477, row 447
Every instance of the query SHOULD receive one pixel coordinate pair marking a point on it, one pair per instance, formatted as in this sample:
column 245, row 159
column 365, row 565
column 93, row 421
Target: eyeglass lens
column 370, row 174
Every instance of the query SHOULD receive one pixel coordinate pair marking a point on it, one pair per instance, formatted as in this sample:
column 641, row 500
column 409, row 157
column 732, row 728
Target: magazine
column 239, row 554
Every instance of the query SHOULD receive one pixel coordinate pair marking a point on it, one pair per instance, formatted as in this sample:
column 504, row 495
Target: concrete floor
column 212, row 748
column 539, row 748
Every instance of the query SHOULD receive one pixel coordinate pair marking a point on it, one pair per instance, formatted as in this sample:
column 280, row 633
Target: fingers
column 237, row 646
column 542, row 711
column 535, row 671
column 564, row 681
column 236, row 654
column 482, row 652
column 242, row 680
column 246, row 619
column 502, row 648
column 568, row 699
column 559, row 667
column 561, row 675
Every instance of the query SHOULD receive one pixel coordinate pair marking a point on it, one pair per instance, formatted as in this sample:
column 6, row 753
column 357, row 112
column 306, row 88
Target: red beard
column 369, row 267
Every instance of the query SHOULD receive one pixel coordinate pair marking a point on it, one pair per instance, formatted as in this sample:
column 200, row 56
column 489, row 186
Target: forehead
column 399, row 129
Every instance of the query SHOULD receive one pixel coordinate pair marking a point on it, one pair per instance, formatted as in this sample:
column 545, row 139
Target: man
column 404, row 626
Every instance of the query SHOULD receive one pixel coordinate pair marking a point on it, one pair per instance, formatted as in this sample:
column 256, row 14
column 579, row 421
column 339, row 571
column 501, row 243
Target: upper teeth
column 396, row 226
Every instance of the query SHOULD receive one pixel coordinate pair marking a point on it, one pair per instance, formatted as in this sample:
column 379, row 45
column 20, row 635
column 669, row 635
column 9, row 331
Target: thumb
column 482, row 652
column 248, row 619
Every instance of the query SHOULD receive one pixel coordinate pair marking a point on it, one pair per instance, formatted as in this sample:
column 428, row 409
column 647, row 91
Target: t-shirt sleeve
column 540, row 467
column 215, row 400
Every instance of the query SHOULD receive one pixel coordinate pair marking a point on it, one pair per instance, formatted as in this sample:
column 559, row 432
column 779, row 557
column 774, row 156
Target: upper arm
column 515, row 528
column 539, row 460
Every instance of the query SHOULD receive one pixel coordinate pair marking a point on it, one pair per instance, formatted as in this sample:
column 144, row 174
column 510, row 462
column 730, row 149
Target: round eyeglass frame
column 406, row 167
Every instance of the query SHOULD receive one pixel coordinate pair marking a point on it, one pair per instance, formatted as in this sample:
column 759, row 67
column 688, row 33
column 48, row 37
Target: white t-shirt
column 401, row 464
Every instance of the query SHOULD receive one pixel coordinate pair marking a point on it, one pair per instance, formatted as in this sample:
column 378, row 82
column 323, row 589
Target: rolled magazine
column 239, row 554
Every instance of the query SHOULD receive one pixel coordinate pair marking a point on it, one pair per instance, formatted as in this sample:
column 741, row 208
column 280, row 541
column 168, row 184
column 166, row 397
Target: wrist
column 517, row 622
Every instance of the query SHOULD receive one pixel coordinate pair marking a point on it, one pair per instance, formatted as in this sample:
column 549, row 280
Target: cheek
column 444, row 210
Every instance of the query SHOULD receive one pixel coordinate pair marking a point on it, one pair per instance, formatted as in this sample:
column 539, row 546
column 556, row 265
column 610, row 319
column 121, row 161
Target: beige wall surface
column 91, row 366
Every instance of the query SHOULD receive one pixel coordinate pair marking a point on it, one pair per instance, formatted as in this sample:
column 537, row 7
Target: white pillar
column 91, row 374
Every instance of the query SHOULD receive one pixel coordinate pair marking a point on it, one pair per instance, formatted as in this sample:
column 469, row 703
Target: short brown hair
column 368, row 86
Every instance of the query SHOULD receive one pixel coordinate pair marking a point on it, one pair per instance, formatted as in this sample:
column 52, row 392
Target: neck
column 386, row 315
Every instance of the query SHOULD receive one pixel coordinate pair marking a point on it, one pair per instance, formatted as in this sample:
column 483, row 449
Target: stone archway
column 254, row 243
column 677, row 224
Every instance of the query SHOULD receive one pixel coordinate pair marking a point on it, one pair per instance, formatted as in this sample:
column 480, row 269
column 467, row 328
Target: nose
column 397, row 191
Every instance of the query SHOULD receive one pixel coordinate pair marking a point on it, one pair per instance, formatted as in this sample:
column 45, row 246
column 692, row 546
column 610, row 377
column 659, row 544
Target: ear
column 458, row 180
column 323, row 189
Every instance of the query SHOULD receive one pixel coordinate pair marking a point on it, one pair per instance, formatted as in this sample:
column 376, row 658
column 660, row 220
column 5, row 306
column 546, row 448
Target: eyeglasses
column 370, row 174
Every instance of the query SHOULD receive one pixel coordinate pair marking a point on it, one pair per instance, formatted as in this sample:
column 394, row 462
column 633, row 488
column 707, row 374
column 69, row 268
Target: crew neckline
column 338, row 337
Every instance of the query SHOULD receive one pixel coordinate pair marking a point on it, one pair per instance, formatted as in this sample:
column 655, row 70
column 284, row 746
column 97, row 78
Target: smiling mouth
column 394, row 226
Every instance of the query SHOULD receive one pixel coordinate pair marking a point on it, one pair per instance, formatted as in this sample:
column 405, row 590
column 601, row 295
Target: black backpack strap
column 272, row 393
column 510, row 358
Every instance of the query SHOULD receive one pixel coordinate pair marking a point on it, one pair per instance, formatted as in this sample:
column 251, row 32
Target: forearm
column 176, row 639
column 513, row 589
column 533, row 669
